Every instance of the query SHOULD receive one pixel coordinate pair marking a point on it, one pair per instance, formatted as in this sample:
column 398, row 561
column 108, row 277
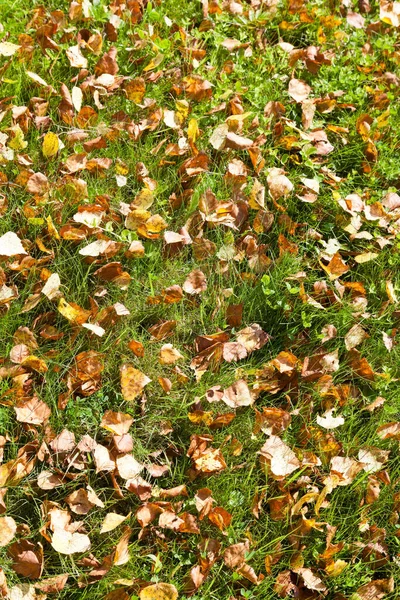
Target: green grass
column 273, row 299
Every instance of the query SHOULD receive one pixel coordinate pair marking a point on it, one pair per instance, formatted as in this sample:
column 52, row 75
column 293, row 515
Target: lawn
column 199, row 299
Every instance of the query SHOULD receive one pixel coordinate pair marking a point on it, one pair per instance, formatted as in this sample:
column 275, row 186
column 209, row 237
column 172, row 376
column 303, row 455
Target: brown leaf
column 195, row 283
column 235, row 555
column 271, row 420
column 82, row 501
column 162, row 330
column 38, row 184
column 361, row 366
column 52, row 585
column 197, row 88
column 121, row 555
column 375, row 589
column 135, row 89
column 137, row 348
column 336, row 267
column 107, row 63
column 27, row 559
column 220, row 517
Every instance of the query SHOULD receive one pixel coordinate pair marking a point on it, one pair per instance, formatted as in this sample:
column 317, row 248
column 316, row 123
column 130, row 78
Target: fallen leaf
column 116, row 422
column 8, row 48
column 278, row 184
column 69, row 543
column 195, row 283
column 133, row 382
column 10, row 245
column 52, row 585
column 159, row 591
column 8, row 528
column 280, row 458
column 169, row 355
column 33, row 411
column 329, row 421
column 27, row 558
column 112, row 521
column 121, row 554
column 298, row 90
column 50, row 145
column 238, row 394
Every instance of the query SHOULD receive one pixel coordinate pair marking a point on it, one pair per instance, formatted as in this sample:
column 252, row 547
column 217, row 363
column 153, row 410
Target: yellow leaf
column 143, row 200
column 18, row 141
column 50, row 145
column 154, row 63
column 51, row 228
column 159, row 591
column 73, row 312
column 365, row 257
column 132, row 382
column 193, row 130
column 135, row 89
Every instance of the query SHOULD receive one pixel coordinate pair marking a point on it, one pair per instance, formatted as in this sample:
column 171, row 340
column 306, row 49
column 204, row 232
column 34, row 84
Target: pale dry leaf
column 329, row 421
column 128, row 467
column 8, row 529
column 95, row 248
column 355, row 336
column 102, row 459
column 33, row 411
column 234, row 351
column 94, row 328
column 252, row 337
column 279, row 185
column 10, row 245
column 76, row 58
column 281, row 458
column 52, row 286
column 68, row 543
column 77, row 97
column 299, row 90
column 48, row 481
column 22, row 591
column 121, row 554
column 238, row 394
column 112, row 521
column 8, row 48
